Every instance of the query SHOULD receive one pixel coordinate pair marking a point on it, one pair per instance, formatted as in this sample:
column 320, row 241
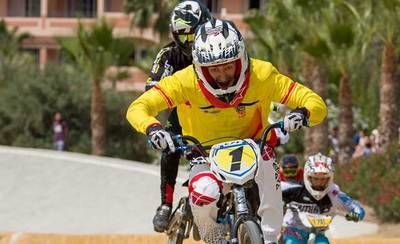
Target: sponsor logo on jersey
column 306, row 207
column 214, row 31
column 241, row 110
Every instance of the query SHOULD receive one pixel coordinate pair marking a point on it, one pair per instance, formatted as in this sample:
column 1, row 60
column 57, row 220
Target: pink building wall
column 3, row 8
column 46, row 28
column 113, row 5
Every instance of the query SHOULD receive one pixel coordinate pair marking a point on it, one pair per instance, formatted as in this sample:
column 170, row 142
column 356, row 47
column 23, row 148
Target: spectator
column 60, row 132
column 364, row 147
column 375, row 141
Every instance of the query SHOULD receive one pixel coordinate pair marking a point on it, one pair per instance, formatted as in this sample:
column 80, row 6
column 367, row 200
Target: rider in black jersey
column 175, row 56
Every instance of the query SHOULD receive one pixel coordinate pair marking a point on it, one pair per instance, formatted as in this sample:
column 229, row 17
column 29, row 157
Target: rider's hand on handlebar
column 283, row 136
column 160, row 139
column 296, row 119
column 353, row 216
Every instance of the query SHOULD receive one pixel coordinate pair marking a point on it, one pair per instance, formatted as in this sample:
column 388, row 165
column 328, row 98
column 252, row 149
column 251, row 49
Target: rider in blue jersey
column 318, row 195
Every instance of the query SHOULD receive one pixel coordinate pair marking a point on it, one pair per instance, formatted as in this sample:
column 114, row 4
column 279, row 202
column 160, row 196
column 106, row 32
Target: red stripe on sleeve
column 166, row 98
column 286, row 97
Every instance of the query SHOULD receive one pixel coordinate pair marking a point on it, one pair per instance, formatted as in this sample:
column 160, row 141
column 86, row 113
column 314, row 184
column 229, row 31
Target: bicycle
column 227, row 163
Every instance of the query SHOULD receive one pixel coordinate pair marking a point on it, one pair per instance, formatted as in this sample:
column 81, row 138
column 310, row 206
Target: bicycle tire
column 177, row 236
column 250, row 233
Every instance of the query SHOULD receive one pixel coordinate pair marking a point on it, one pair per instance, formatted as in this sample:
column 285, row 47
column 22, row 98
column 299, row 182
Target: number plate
column 234, row 156
column 319, row 221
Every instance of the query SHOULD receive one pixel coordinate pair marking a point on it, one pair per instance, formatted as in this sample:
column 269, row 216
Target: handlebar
column 182, row 141
column 276, row 125
column 182, row 144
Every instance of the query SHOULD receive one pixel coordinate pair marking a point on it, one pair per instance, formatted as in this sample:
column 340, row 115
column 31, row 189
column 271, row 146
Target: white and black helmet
column 219, row 42
column 185, row 18
column 318, row 164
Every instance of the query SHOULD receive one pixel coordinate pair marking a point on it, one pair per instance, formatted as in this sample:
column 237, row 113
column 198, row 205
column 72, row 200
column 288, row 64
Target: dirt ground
column 17, row 238
column 386, row 230
column 388, row 234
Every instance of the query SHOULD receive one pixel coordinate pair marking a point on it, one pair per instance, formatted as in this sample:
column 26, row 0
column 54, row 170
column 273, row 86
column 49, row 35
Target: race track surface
column 44, row 191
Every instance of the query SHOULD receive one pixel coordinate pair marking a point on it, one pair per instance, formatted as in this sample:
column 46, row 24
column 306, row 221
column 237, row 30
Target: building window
column 72, row 8
column 32, row 8
column 256, row 4
column 23, row 8
column 87, row 8
column 113, row 5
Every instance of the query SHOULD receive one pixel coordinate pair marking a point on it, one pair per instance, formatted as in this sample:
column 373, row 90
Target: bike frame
column 241, row 203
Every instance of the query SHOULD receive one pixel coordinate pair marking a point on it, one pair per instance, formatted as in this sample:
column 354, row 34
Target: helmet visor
column 319, row 182
column 183, row 38
column 289, row 172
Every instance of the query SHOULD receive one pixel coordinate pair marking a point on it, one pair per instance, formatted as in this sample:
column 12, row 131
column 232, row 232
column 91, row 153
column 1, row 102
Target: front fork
column 242, row 210
column 181, row 219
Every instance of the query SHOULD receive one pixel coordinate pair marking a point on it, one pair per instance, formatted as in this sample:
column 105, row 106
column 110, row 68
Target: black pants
column 170, row 162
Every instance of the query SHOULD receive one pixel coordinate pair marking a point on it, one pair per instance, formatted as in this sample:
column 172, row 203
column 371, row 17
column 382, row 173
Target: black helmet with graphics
column 185, row 18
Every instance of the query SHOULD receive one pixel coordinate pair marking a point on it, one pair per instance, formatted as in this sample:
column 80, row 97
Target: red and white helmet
column 219, row 42
column 316, row 166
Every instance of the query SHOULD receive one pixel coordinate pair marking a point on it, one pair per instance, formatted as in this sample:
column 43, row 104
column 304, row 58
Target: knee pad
column 204, row 189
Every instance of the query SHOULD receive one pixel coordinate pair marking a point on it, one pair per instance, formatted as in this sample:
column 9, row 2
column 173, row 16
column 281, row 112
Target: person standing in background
column 60, row 132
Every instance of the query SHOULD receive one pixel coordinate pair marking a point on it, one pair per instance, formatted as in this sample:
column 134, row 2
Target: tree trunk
column 388, row 91
column 346, row 131
column 97, row 119
column 316, row 138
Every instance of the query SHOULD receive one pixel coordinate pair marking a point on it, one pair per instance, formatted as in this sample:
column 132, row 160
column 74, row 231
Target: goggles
column 289, row 172
column 185, row 37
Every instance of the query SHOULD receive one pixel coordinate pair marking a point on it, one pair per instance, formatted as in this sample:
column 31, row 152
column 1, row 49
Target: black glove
column 296, row 119
column 160, row 139
column 353, row 216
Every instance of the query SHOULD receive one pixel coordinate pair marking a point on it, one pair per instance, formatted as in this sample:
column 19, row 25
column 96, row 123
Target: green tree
column 328, row 40
column 26, row 120
column 10, row 55
column 290, row 33
column 274, row 39
column 10, row 41
column 309, row 20
column 94, row 50
column 387, row 29
column 153, row 13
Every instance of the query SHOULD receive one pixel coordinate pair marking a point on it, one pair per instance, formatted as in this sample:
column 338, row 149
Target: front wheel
column 249, row 233
column 177, row 236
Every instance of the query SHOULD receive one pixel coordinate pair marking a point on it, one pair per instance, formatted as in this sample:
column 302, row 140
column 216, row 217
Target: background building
column 47, row 20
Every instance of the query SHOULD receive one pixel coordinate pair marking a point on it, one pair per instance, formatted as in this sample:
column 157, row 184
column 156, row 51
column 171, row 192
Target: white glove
column 282, row 137
column 294, row 120
column 160, row 139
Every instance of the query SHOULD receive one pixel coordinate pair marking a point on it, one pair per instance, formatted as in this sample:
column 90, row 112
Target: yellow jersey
column 200, row 119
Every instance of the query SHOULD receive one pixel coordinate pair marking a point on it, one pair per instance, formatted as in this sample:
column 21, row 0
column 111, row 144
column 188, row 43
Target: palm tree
column 10, row 40
column 289, row 37
column 300, row 23
column 314, row 71
column 94, row 50
column 273, row 37
column 143, row 14
column 10, row 44
column 326, row 33
column 387, row 29
column 348, row 41
column 10, row 56
column 315, row 49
